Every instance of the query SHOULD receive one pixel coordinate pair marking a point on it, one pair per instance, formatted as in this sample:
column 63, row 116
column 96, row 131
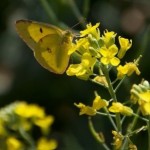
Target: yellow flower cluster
column 97, row 50
column 141, row 94
column 99, row 103
column 100, row 54
column 118, row 139
column 20, row 118
column 35, row 114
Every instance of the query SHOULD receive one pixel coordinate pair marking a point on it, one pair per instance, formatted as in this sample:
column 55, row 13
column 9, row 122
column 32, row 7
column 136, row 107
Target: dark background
column 22, row 78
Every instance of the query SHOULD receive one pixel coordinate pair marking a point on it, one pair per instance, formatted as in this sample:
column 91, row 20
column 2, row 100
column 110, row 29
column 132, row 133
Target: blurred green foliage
column 22, row 78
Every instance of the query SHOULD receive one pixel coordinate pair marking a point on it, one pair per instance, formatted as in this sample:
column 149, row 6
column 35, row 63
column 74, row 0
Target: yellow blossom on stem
column 108, row 38
column 85, row 109
column 84, row 69
column 132, row 147
column 81, row 45
column 98, row 103
column 93, row 30
column 144, row 102
column 143, row 87
column 108, row 55
column 46, row 144
column 118, row 107
column 101, row 80
column 44, row 123
column 141, row 94
column 13, row 144
column 128, row 69
column 118, row 139
column 29, row 110
column 125, row 44
column 88, row 60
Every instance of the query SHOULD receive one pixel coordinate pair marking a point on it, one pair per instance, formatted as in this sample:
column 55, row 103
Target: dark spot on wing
column 41, row 30
column 49, row 50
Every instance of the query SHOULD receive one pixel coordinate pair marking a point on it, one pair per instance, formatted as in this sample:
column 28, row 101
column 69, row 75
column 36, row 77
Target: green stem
column 110, row 118
column 143, row 128
column 134, row 122
column 110, row 88
column 136, row 115
column 97, row 136
column 113, row 82
column 148, row 125
column 105, row 114
column 28, row 138
column 130, row 128
column 144, row 119
column 113, row 96
column 117, row 87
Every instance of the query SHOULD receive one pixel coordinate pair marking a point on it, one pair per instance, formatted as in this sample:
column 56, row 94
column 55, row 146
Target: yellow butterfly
column 50, row 44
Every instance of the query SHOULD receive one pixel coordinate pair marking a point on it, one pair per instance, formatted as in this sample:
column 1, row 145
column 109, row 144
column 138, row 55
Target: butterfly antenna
column 82, row 21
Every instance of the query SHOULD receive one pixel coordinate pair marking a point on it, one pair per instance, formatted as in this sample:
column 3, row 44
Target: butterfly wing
column 49, row 44
column 53, row 53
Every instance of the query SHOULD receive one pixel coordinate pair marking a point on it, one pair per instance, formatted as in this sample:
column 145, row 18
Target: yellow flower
column 88, row 61
column 109, row 38
column 76, row 69
column 44, row 123
column 132, row 147
column 86, row 109
column 108, row 55
column 98, row 103
column 84, row 69
column 13, row 144
column 125, row 44
column 29, row 110
column 143, row 87
column 81, row 45
column 144, row 102
column 45, row 144
column 101, row 80
column 120, row 108
column 128, row 69
column 118, row 139
column 93, row 30
column 3, row 131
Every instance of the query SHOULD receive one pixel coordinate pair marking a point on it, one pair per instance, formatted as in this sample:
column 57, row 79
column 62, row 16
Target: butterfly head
column 68, row 37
